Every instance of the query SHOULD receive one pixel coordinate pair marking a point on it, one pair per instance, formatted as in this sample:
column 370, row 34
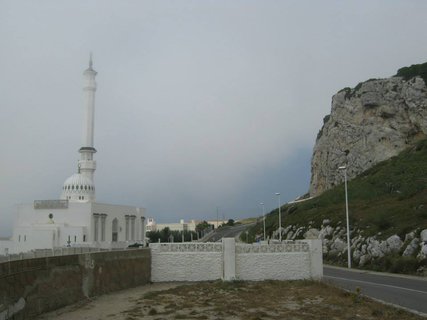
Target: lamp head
column 277, row 194
column 342, row 168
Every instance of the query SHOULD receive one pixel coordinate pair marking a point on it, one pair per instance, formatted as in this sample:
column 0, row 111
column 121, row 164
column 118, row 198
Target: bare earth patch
column 293, row 300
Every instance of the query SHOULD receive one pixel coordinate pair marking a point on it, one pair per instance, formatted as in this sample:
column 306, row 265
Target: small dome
column 78, row 179
column 78, row 187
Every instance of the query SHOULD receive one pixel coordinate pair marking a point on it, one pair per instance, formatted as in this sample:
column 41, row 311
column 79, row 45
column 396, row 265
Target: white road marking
column 378, row 284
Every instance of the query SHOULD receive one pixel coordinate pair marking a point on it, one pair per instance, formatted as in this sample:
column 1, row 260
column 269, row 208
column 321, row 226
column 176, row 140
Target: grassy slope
column 390, row 198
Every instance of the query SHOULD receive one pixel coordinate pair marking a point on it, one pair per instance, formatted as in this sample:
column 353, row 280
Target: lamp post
column 263, row 216
column 280, row 217
column 346, row 213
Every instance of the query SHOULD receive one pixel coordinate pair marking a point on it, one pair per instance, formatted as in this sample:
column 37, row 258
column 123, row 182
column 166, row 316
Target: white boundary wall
column 186, row 261
column 228, row 261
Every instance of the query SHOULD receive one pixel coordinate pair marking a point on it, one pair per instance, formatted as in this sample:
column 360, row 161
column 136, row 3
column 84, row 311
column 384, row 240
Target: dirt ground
column 293, row 300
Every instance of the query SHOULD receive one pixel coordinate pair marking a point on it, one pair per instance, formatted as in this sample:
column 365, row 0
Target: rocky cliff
column 370, row 123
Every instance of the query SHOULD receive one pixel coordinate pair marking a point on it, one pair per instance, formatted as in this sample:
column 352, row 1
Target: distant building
column 179, row 226
column 151, row 224
column 77, row 219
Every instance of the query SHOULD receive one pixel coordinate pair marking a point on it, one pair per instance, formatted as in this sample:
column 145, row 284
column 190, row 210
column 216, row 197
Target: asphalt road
column 227, row 232
column 406, row 291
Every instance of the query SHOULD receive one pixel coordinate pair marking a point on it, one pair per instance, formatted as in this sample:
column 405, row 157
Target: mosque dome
column 78, row 187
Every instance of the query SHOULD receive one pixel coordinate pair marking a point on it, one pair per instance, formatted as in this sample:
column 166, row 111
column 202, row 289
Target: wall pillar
column 229, row 259
column 316, row 258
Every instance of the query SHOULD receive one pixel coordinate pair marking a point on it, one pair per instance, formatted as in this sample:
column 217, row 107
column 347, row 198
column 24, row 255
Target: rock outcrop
column 370, row 123
column 365, row 250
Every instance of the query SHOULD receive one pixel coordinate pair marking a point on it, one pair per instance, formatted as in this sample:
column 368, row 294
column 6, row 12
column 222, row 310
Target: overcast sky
column 199, row 104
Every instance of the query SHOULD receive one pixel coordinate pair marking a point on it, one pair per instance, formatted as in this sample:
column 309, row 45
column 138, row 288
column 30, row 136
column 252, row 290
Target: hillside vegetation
column 413, row 71
column 388, row 199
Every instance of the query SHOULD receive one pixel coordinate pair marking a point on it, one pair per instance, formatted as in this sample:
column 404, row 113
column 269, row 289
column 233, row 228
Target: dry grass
column 294, row 300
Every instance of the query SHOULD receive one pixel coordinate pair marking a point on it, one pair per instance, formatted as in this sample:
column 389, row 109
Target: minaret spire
column 90, row 61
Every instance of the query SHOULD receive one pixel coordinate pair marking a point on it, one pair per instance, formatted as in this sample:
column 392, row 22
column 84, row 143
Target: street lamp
column 280, row 217
column 346, row 213
column 263, row 216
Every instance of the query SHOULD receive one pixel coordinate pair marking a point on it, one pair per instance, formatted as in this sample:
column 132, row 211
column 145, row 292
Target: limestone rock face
column 368, row 124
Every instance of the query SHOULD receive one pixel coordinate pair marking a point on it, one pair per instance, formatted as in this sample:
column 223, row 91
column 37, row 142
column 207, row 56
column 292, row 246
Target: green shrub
column 396, row 264
column 413, row 71
column 404, row 265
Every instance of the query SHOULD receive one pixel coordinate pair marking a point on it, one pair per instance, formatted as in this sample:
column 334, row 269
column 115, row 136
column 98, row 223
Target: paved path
column 227, row 232
column 406, row 291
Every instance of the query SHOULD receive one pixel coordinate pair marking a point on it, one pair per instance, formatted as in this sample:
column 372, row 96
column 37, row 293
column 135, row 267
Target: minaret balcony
column 87, row 149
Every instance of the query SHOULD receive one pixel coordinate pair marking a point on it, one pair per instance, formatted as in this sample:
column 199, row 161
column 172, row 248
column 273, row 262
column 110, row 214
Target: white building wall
column 121, row 213
column 179, row 226
column 172, row 226
column 75, row 226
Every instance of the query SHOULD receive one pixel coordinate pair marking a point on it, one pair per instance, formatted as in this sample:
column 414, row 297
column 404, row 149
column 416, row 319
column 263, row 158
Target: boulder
column 423, row 252
column 394, row 243
column 411, row 248
column 339, row 245
column 374, row 249
column 423, row 235
column 312, row 233
column 356, row 255
column 409, row 236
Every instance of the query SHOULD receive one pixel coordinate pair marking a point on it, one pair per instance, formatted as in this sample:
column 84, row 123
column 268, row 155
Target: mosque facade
column 76, row 219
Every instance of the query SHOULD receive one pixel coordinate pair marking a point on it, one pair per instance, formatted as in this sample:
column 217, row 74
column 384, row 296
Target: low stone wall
column 34, row 286
column 278, row 261
column 228, row 261
column 186, row 261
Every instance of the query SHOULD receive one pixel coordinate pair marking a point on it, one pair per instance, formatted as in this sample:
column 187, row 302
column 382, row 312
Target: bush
column 397, row 264
column 405, row 265
column 413, row 71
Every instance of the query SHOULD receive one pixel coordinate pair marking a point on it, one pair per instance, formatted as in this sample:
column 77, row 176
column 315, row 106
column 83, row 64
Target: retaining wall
column 228, row 261
column 34, row 286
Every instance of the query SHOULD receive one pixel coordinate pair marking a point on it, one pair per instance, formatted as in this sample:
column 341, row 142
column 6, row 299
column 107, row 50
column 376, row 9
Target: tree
column 230, row 222
column 202, row 226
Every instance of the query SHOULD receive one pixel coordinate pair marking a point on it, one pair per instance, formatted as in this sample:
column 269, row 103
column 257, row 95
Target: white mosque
column 77, row 219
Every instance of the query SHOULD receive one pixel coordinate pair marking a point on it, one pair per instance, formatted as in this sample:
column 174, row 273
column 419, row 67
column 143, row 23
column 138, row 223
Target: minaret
column 80, row 186
column 86, row 163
